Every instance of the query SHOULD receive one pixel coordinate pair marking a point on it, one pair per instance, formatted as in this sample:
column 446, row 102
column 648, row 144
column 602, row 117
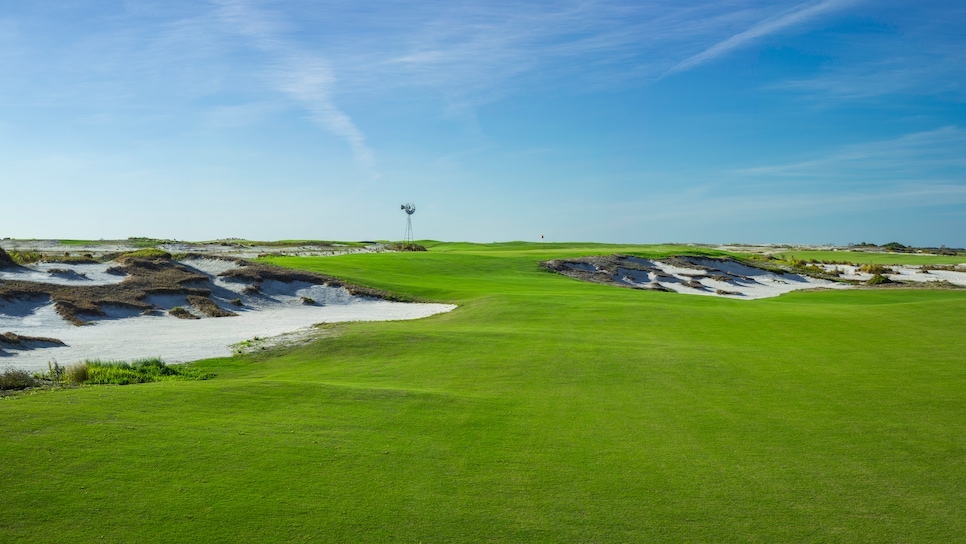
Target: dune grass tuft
column 12, row 379
column 181, row 313
column 208, row 306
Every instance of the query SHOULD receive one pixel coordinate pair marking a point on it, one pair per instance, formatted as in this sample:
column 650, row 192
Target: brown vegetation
column 399, row 246
column 255, row 273
column 145, row 276
column 208, row 307
column 14, row 339
column 181, row 313
column 153, row 272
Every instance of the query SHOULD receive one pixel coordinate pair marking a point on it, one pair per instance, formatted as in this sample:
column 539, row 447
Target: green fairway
column 543, row 409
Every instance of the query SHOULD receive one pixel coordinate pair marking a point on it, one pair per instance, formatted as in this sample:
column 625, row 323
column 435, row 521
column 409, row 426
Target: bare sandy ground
column 127, row 334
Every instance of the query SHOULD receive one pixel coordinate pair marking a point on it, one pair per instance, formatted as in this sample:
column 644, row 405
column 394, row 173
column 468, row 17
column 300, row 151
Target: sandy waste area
column 729, row 278
column 125, row 333
column 688, row 275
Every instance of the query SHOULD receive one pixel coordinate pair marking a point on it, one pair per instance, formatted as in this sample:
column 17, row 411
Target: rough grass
column 542, row 410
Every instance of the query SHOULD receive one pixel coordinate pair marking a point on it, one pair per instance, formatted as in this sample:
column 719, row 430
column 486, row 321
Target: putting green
column 543, row 409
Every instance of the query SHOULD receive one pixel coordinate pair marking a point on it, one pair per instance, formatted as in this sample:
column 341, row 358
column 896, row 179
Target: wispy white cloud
column 927, row 154
column 904, row 73
column 465, row 52
column 903, row 53
column 477, row 49
column 304, row 76
column 801, row 14
column 889, row 181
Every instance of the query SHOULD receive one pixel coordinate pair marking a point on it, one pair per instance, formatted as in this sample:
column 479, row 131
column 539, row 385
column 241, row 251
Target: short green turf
column 542, row 410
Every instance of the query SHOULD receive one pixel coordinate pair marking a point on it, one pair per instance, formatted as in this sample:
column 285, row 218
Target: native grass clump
column 208, row 307
column 878, row 279
column 876, row 269
column 406, row 246
column 97, row 372
column 13, row 379
column 181, row 313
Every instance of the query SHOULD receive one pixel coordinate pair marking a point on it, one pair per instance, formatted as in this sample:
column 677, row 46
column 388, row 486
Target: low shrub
column 309, row 301
column 208, row 306
column 113, row 372
column 15, row 378
column 875, row 269
column 181, row 313
column 878, row 279
column 139, row 371
column 401, row 246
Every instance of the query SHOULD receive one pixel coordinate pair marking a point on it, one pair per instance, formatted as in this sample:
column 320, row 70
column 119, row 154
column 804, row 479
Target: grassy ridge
column 544, row 409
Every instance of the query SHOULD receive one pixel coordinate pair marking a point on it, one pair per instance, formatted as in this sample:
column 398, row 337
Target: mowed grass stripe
column 543, row 409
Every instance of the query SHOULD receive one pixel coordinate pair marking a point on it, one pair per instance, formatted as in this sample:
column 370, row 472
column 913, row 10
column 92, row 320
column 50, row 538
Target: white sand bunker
column 263, row 306
column 722, row 277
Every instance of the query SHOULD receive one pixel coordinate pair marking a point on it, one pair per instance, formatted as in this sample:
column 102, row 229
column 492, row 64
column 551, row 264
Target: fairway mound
column 151, row 305
column 694, row 275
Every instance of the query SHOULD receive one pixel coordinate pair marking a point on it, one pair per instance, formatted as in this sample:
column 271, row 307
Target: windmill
column 410, row 209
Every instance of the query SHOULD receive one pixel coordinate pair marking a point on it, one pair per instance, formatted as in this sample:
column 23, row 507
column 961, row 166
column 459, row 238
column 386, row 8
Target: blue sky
column 828, row 121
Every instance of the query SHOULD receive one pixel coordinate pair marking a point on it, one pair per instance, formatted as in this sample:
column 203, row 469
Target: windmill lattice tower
column 410, row 209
